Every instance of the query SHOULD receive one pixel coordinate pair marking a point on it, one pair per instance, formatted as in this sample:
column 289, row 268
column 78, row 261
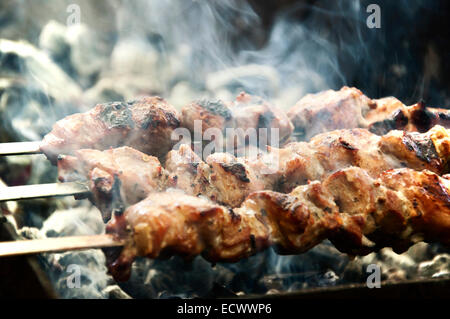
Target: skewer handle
column 42, row 191
column 36, row 246
column 20, row 148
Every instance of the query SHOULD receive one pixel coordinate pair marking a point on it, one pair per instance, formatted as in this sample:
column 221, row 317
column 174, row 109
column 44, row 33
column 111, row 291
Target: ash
column 185, row 51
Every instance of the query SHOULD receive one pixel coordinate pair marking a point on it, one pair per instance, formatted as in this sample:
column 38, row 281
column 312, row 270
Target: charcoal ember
column 328, row 279
column 8, row 210
column 319, row 259
column 219, row 291
column 30, row 233
column 437, row 248
column 15, row 170
column 268, row 270
column 89, row 54
column 80, row 51
column 421, row 252
column 27, row 111
column 222, row 276
column 439, row 266
column 34, row 92
column 135, row 56
column 77, row 221
column 22, row 170
column 393, row 274
column 174, row 277
column 53, row 40
column 133, row 70
column 247, row 273
column 75, row 274
column 24, row 61
column 114, row 292
column 81, row 274
column 442, row 274
column 297, row 281
column 393, row 266
column 399, row 261
column 273, row 291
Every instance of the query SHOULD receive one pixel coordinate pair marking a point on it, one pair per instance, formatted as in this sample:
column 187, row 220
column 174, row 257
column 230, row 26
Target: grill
column 208, row 53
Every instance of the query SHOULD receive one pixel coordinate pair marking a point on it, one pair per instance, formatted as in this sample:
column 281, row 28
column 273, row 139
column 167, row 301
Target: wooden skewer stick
column 36, row 246
column 20, row 148
column 42, row 191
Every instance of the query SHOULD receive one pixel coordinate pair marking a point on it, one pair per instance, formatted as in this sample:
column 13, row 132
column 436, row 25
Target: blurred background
column 64, row 56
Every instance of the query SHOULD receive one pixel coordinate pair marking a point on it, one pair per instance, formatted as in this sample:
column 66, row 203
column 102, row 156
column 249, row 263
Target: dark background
column 408, row 57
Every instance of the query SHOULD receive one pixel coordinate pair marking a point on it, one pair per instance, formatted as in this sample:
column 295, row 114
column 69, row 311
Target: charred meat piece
column 144, row 124
column 350, row 108
column 182, row 166
column 392, row 114
column 329, row 152
column 358, row 213
column 329, row 110
column 223, row 178
column 228, row 180
column 253, row 112
column 117, row 177
column 246, row 112
column 175, row 223
column 361, row 214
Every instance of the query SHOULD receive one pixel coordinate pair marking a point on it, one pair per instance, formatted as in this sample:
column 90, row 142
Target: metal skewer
column 36, row 246
column 42, row 191
column 20, row 148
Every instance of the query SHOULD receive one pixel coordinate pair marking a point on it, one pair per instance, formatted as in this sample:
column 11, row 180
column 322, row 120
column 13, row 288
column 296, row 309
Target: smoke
column 221, row 46
column 185, row 50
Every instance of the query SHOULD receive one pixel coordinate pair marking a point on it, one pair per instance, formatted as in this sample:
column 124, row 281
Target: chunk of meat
column 350, row 108
column 248, row 114
column 358, row 213
column 173, row 222
column 117, row 177
column 392, row 114
column 228, row 180
column 145, row 124
column 330, row 110
column 329, row 152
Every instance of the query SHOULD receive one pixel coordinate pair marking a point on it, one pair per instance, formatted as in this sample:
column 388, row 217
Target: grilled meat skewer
column 122, row 177
column 328, row 152
column 148, row 123
column 145, row 124
column 358, row 213
column 350, row 108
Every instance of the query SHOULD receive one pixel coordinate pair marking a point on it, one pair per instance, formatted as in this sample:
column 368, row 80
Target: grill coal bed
column 320, row 273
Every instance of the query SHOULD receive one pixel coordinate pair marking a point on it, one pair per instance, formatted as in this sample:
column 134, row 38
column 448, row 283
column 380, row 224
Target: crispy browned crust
column 144, row 124
column 358, row 213
column 391, row 114
column 247, row 111
column 329, row 110
column 350, row 108
column 329, row 152
column 117, row 177
column 228, row 180
column 175, row 223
